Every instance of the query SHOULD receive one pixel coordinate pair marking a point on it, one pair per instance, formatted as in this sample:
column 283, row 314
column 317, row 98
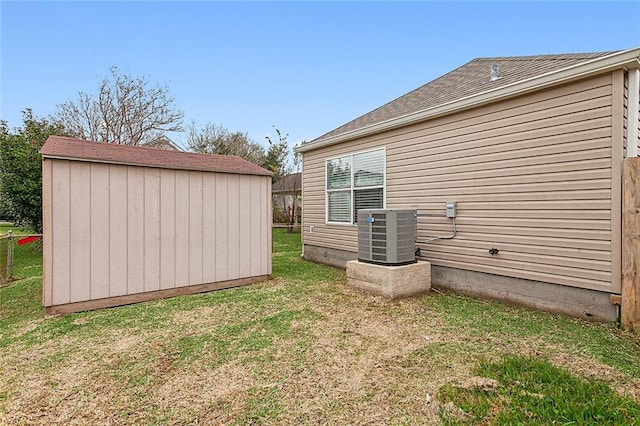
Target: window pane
column 339, row 206
column 368, row 199
column 368, row 168
column 339, row 173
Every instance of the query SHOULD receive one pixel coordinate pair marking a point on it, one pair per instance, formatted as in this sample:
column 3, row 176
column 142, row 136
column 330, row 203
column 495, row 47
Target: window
column 354, row 182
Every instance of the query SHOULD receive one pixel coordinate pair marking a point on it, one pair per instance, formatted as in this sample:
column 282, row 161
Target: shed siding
column 123, row 230
column 167, row 229
column 100, row 226
column 117, row 230
column 532, row 177
column 80, row 229
column 135, row 230
column 151, row 229
column 60, row 219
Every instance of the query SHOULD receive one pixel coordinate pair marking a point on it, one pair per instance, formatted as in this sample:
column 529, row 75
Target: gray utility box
column 387, row 236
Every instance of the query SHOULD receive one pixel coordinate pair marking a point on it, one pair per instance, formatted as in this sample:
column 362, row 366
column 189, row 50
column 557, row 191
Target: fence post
column 630, row 304
column 9, row 255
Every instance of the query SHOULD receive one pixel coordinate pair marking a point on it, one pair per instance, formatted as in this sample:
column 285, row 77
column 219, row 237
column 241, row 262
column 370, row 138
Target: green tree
column 21, row 168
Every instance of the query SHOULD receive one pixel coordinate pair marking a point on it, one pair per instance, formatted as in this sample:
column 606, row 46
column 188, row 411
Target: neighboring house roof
column 75, row 149
column 162, row 142
column 289, row 183
column 471, row 85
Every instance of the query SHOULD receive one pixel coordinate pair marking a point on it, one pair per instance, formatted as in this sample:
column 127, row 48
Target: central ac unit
column 387, row 236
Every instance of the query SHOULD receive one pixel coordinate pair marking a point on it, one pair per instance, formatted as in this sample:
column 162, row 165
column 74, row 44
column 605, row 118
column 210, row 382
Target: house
column 287, row 198
column 162, row 142
column 530, row 148
column 125, row 224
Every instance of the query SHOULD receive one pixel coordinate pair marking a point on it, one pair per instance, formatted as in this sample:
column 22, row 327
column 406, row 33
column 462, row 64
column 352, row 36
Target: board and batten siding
column 533, row 176
column 119, row 230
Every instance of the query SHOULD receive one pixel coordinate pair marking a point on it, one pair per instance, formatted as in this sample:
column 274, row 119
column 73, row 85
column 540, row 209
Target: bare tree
column 215, row 139
column 126, row 110
column 294, row 186
column 288, row 189
column 277, row 156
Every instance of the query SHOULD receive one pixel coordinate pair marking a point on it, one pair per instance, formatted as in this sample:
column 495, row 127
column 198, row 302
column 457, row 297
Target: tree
column 292, row 186
column 215, row 139
column 277, row 156
column 286, row 176
column 126, row 110
column 21, row 168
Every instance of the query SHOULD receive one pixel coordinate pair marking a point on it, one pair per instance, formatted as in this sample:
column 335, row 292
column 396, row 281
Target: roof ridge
column 150, row 148
column 546, row 57
column 469, row 80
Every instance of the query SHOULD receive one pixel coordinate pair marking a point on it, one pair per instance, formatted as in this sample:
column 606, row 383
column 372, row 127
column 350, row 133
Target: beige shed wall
column 532, row 176
column 117, row 230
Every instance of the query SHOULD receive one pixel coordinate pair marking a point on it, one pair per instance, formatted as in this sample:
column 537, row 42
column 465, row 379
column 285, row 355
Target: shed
column 530, row 148
column 125, row 224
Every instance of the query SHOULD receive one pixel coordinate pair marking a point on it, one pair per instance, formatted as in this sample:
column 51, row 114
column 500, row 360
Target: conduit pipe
column 450, row 237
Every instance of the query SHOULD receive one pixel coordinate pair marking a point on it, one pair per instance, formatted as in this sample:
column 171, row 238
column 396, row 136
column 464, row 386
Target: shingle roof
column 162, row 142
column 76, row 149
column 469, row 79
column 289, row 183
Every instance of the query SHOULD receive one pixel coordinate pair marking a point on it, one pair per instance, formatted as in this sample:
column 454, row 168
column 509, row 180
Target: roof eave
column 625, row 59
column 153, row 165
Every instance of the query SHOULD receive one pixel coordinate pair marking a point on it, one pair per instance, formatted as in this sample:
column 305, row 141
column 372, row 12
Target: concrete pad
column 390, row 281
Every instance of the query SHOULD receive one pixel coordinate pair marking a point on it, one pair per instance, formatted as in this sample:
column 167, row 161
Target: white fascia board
column 633, row 119
column 629, row 59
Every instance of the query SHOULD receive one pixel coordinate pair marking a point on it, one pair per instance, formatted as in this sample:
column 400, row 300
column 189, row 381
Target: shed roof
column 473, row 81
column 82, row 150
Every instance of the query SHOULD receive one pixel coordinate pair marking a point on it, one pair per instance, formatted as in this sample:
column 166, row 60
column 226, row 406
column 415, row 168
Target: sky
column 304, row 67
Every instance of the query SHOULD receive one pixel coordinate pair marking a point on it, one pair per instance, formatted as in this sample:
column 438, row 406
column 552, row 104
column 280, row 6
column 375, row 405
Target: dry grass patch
column 299, row 349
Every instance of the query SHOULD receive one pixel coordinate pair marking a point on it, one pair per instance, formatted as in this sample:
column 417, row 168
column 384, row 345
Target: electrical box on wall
column 450, row 209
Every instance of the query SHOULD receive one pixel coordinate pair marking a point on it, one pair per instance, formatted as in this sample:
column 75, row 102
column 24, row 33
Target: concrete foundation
column 389, row 281
column 332, row 257
column 561, row 299
column 572, row 301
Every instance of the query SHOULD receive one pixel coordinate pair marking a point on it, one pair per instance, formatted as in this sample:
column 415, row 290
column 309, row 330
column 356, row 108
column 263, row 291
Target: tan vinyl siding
column 116, row 230
column 532, row 177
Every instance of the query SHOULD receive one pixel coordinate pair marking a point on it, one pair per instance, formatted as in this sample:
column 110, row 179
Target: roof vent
column 495, row 72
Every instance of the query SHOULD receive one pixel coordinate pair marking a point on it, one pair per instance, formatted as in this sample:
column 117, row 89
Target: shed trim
column 129, row 299
column 617, row 157
column 629, row 59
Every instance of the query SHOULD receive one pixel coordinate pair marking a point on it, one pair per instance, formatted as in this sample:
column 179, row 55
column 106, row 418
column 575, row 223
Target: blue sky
column 306, row 67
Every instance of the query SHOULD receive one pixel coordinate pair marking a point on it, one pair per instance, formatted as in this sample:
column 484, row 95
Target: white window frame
column 352, row 189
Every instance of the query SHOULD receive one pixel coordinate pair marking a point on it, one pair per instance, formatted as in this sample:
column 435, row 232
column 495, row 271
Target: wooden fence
column 630, row 303
column 6, row 258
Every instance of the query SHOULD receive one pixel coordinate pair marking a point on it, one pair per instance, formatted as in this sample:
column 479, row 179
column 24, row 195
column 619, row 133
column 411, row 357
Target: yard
column 304, row 349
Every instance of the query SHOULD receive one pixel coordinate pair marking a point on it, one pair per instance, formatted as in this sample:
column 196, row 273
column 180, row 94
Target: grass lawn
column 304, row 349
